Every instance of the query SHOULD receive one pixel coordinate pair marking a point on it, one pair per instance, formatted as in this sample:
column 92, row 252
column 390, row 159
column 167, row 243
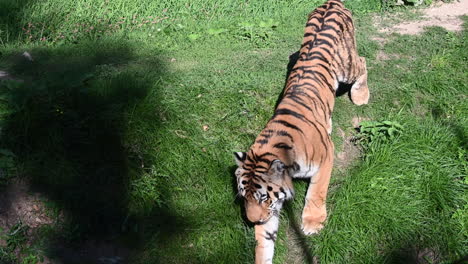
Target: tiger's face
column 264, row 185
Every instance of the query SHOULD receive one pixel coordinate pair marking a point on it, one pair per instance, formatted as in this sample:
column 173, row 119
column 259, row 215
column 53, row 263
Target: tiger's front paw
column 312, row 225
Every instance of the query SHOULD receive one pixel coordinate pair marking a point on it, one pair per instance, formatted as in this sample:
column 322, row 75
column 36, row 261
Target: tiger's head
column 264, row 184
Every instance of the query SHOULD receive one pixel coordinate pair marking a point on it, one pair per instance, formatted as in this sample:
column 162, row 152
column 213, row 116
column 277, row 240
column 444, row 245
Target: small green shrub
column 256, row 32
column 17, row 236
column 375, row 131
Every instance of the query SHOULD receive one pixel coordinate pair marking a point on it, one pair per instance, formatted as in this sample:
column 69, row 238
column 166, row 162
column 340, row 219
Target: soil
column 18, row 204
column 446, row 15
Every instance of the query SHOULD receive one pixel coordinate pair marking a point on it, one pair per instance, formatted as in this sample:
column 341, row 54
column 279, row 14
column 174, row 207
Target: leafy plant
column 6, row 257
column 257, row 31
column 18, row 248
column 32, row 258
column 17, row 236
column 373, row 131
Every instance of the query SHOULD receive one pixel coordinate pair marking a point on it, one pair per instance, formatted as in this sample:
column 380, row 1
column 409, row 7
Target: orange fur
column 296, row 142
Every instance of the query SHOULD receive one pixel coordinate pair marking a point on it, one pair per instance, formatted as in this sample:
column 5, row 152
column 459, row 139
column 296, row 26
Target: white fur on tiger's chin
column 265, row 235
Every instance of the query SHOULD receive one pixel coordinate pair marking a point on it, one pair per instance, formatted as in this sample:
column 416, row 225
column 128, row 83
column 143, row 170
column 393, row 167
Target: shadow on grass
column 301, row 242
column 439, row 114
column 66, row 119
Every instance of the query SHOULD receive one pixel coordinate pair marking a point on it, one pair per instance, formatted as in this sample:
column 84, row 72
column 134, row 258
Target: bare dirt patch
column 18, row 204
column 349, row 152
column 19, row 207
column 446, row 15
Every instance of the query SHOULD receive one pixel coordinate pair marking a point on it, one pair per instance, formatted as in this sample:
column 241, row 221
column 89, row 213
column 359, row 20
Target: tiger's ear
column 277, row 167
column 240, row 158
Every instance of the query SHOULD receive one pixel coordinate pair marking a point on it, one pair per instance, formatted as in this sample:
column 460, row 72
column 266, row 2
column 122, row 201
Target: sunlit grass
column 130, row 131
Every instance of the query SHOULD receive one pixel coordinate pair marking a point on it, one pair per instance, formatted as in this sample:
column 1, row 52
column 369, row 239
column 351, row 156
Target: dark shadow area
column 462, row 260
column 439, row 114
column 413, row 255
column 65, row 121
column 301, row 242
column 292, row 61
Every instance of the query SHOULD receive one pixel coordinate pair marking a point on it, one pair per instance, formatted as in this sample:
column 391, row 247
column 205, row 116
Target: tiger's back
column 327, row 57
column 295, row 142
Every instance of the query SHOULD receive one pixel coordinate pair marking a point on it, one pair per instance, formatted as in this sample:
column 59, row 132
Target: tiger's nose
column 255, row 213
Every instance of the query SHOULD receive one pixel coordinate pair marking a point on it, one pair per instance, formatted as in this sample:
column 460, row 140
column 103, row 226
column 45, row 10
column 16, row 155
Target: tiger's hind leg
column 359, row 90
column 315, row 211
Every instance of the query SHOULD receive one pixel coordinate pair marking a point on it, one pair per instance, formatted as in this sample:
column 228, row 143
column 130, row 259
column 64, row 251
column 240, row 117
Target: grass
column 129, row 131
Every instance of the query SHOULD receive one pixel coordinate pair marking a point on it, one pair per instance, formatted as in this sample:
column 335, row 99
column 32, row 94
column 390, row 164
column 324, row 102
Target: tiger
column 296, row 142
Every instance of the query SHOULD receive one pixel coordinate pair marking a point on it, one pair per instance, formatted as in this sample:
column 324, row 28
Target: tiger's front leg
column 315, row 211
column 265, row 235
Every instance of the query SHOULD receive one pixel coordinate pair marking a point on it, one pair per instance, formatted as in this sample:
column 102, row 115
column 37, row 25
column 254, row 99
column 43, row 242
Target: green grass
column 130, row 131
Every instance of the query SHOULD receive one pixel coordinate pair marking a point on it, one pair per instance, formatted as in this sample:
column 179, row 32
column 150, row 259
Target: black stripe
column 261, row 179
column 247, row 166
column 303, row 67
column 338, row 13
column 267, row 154
column 298, row 100
column 270, row 236
column 340, row 25
column 302, row 118
column 240, row 157
column 262, row 141
column 330, row 86
column 324, row 42
column 324, row 79
column 287, row 124
column 300, row 93
column 283, row 192
column 327, row 35
column 264, row 160
column 284, row 111
column 308, row 43
column 282, row 146
column 311, row 24
column 318, row 57
column 283, row 133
